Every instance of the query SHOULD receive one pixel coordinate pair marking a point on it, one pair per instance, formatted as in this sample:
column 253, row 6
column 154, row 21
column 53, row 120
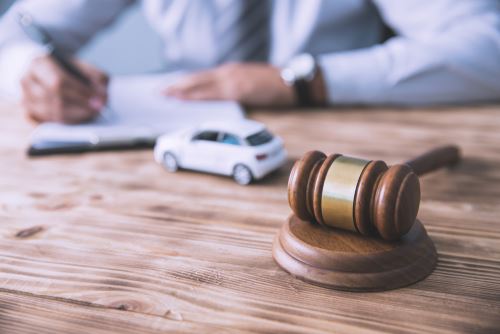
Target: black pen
column 40, row 36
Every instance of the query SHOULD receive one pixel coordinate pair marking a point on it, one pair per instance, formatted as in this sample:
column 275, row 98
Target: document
column 136, row 115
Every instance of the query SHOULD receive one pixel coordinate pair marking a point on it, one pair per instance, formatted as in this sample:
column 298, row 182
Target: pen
column 40, row 36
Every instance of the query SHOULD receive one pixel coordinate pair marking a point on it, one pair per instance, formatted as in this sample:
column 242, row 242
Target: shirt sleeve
column 70, row 23
column 445, row 51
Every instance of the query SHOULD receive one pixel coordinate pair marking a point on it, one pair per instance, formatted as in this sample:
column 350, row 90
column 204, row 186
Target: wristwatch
column 298, row 73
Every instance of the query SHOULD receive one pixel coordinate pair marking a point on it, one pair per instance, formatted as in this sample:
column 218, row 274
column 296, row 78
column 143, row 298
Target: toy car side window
column 260, row 138
column 207, row 135
column 230, row 139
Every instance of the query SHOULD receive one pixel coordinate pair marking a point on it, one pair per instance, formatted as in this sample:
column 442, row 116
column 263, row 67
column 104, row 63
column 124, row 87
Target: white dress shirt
column 444, row 51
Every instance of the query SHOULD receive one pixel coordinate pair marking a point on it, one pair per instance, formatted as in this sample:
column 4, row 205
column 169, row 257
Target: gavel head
column 354, row 194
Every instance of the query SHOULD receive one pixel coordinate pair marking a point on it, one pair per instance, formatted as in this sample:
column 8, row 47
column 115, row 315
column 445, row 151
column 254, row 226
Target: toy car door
column 231, row 152
column 201, row 152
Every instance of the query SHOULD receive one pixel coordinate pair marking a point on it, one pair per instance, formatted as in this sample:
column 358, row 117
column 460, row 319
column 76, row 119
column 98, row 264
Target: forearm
column 411, row 73
column 439, row 56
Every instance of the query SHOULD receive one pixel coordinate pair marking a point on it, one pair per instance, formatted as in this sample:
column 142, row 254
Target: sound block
column 345, row 260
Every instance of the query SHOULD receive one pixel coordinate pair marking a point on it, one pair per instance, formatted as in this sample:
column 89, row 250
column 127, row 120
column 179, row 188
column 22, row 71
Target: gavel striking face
column 363, row 196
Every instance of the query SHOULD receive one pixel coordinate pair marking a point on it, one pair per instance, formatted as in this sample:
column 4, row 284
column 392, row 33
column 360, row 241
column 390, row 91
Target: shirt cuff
column 14, row 61
column 355, row 77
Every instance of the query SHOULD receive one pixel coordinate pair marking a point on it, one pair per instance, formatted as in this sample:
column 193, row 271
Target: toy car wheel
column 242, row 174
column 170, row 162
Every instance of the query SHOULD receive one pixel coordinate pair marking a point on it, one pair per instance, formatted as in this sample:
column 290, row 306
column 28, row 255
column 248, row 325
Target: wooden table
column 110, row 242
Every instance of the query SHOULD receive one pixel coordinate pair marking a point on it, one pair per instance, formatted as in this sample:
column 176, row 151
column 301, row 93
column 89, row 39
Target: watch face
column 303, row 66
column 288, row 76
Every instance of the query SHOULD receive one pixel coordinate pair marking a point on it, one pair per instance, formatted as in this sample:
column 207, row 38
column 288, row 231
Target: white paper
column 138, row 111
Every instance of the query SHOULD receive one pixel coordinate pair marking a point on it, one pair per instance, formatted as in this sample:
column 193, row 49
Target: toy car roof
column 243, row 128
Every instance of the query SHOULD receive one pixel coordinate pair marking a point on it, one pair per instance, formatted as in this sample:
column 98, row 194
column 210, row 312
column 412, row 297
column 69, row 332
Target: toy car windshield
column 260, row 138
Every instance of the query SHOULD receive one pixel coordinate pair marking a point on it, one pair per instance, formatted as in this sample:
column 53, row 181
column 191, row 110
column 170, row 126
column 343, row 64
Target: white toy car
column 242, row 149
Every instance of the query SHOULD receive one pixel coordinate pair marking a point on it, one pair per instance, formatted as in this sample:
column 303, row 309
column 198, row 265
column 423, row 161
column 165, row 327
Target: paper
column 137, row 112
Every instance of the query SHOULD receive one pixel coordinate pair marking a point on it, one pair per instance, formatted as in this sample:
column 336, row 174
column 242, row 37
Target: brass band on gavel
column 339, row 191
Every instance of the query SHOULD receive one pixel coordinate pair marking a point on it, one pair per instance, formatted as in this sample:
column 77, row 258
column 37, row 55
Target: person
column 272, row 52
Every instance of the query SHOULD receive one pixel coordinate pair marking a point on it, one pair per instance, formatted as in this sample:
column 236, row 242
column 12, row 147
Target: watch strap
column 303, row 93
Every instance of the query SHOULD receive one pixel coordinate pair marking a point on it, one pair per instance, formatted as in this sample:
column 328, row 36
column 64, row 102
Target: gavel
column 363, row 196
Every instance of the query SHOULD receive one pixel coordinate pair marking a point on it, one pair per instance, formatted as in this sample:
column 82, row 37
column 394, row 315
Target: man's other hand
column 51, row 94
column 252, row 84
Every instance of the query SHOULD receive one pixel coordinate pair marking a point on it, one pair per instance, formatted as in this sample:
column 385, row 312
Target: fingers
column 34, row 99
column 41, row 107
column 226, row 82
column 203, row 85
column 51, row 94
column 99, row 79
column 252, row 84
column 210, row 92
column 57, row 82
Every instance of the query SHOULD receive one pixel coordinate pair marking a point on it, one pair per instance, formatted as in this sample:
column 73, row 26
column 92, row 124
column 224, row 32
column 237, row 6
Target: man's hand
column 251, row 84
column 51, row 94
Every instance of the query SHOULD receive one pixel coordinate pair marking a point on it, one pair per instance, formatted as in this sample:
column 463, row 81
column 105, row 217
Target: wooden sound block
column 348, row 261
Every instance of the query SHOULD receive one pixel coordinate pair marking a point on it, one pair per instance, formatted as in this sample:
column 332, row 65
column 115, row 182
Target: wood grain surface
column 110, row 242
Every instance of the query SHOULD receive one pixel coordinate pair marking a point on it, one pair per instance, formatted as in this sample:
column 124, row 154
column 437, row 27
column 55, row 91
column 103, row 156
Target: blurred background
column 132, row 35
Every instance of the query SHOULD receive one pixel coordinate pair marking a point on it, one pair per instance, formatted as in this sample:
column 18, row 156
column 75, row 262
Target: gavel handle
column 437, row 158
